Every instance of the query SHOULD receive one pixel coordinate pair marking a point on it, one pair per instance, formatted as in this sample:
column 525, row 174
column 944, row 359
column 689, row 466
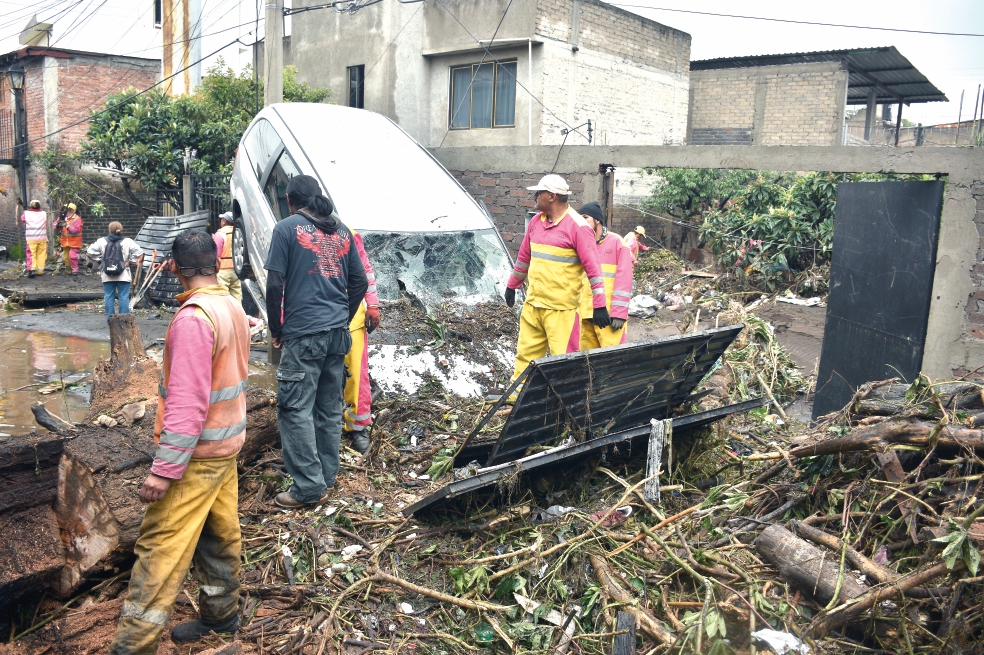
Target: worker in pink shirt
column 358, row 393
column 633, row 243
column 557, row 251
column 193, row 483
column 616, row 268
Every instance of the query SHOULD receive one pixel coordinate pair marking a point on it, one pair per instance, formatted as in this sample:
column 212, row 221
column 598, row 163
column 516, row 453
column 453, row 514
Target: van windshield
column 469, row 266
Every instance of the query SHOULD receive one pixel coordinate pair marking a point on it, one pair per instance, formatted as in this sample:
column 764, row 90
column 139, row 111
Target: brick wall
column 800, row 104
column 628, row 74
column 508, row 201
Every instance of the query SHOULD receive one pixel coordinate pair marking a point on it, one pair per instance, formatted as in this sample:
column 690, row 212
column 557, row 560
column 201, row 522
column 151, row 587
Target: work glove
column 601, row 317
column 510, row 297
column 372, row 319
column 617, row 323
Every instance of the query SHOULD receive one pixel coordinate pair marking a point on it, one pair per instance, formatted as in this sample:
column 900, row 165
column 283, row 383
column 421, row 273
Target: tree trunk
column 807, row 567
column 126, row 355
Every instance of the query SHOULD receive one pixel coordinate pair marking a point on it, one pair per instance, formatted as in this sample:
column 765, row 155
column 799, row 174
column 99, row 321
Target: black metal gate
column 211, row 192
column 170, row 202
column 881, row 283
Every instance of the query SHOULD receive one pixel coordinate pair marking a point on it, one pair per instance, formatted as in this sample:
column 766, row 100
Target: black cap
column 592, row 209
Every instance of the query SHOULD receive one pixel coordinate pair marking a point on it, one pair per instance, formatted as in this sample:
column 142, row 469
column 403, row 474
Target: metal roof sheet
column 158, row 233
column 596, row 392
column 884, row 65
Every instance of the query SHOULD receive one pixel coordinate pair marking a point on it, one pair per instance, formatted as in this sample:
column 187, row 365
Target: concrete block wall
column 801, row 104
column 509, row 202
column 975, row 304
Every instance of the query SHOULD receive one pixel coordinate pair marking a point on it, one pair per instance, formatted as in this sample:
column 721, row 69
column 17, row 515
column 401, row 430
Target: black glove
column 510, row 297
column 617, row 323
column 601, row 317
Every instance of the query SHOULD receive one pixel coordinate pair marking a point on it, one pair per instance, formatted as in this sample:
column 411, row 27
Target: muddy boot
column 195, row 630
column 360, row 443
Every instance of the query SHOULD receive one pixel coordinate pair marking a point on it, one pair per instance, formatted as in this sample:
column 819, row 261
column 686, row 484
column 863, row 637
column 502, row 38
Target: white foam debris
column 404, row 369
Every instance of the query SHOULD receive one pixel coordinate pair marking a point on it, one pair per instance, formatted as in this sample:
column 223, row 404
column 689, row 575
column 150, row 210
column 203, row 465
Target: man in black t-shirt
column 315, row 284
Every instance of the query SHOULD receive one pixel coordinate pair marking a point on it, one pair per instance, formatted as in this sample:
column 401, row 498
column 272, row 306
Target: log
column 872, row 569
column 646, row 621
column 30, row 553
column 29, row 471
column 881, row 436
column 126, row 355
column 812, row 570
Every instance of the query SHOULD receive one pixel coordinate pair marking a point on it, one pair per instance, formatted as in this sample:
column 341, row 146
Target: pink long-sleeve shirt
column 555, row 257
column 372, row 298
column 190, row 340
column 616, row 267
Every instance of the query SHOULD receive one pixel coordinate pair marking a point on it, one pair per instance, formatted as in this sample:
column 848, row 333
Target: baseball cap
column 553, row 184
column 641, row 230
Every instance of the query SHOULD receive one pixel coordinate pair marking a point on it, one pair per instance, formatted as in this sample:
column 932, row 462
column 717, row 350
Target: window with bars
column 483, row 96
column 357, row 84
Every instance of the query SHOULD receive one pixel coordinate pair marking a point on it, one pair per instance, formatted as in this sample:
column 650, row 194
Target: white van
column 423, row 232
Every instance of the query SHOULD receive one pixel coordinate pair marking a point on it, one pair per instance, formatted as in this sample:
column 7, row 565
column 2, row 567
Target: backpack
column 113, row 262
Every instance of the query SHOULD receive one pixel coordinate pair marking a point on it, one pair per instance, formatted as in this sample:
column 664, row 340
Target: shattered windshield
column 470, row 266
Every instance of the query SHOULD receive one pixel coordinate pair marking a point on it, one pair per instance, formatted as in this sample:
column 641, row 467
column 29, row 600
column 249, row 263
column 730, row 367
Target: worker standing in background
column 227, row 272
column 558, row 249
column 71, row 238
column 633, row 243
column 358, row 391
column 193, row 484
column 36, row 235
column 616, row 268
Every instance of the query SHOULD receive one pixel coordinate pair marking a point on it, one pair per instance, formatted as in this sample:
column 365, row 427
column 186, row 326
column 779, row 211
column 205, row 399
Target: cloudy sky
column 952, row 63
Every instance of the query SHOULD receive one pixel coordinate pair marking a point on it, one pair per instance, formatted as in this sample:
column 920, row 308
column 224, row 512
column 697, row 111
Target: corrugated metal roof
column 595, row 392
column 886, row 66
column 158, row 233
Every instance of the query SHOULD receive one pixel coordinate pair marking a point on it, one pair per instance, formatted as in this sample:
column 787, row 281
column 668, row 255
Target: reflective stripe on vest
column 226, row 416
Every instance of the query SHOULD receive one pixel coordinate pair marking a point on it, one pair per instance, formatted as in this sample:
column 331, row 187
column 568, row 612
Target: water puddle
column 45, row 367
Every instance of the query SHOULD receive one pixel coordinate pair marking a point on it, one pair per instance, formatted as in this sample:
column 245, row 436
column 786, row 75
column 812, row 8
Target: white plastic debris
column 285, row 549
column 413, row 441
column 773, row 419
column 781, row 642
column 350, row 551
column 330, row 510
column 423, row 477
column 792, row 299
column 339, row 568
column 643, row 306
column 406, row 608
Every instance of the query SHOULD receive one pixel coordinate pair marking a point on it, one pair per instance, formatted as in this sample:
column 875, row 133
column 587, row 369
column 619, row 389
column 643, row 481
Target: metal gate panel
column 881, row 283
column 596, row 392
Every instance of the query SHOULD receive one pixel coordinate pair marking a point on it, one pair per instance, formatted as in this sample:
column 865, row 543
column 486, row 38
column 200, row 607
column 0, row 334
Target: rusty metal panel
column 592, row 393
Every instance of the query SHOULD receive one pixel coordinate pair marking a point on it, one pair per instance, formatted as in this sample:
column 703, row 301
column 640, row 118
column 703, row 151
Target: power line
column 795, row 22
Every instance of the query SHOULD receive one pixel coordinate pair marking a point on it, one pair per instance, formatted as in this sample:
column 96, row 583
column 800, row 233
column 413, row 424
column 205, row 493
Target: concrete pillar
column 188, row 193
column 869, row 114
column 273, row 51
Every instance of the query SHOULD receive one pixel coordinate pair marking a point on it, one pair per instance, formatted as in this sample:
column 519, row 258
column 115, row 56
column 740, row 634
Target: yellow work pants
column 39, row 254
column 197, row 522
column 357, row 393
column 542, row 329
column 593, row 336
column 229, row 279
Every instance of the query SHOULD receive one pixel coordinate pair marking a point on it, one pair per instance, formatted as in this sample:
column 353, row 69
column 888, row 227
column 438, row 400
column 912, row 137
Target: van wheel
column 240, row 253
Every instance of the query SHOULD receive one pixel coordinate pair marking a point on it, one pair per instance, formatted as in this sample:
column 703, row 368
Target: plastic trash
column 552, row 513
column 781, row 642
column 643, row 306
column 619, row 516
column 484, row 634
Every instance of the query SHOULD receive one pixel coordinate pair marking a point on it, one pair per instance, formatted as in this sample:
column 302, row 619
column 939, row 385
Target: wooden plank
column 625, row 644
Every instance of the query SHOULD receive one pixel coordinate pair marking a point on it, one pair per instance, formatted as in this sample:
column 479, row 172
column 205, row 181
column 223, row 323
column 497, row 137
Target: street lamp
column 15, row 73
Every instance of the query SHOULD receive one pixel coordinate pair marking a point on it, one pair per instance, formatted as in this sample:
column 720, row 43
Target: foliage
column 686, row 193
column 63, row 181
column 146, row 135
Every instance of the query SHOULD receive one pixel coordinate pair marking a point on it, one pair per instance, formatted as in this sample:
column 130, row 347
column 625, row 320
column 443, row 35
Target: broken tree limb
column 805, row 566
column 126, row 355
column 47, row 420
column 646, row 621
column 852, row 610
column 881, row 436
column 872, row 569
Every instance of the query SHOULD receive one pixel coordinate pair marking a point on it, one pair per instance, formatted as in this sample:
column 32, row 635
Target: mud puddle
column 44, row 367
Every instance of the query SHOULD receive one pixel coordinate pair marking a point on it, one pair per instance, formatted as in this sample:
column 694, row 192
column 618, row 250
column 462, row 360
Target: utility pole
column 181, row 29
column 273, row 51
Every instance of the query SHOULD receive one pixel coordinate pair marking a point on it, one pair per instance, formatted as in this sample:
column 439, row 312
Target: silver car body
column 423, row 232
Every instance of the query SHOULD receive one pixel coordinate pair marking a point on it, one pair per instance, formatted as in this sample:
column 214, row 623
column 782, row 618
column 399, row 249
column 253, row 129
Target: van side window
column 276, row 186
column 262, row 144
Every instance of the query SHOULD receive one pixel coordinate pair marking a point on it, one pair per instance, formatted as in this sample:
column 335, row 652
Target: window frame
column 360, row 70
column 271, row 174
column 496, row 65
column 158, row 13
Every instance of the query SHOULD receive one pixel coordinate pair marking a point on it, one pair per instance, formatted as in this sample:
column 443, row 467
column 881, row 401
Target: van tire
column 240, row 252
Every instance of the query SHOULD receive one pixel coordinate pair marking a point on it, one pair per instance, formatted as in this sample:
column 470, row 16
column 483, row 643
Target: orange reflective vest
column 225, row 422
column 71, row 232
column 225, row 257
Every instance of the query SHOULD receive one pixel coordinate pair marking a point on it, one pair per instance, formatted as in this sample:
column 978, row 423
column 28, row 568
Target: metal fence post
column 189, row 195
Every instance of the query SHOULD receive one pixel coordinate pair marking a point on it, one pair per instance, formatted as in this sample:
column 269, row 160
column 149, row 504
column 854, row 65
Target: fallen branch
column 882, row 436
column 646, row 621
column 872, row 569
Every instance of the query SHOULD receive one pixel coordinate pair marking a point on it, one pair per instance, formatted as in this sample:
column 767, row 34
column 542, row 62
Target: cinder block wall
column 801, row 104
column 975, row 304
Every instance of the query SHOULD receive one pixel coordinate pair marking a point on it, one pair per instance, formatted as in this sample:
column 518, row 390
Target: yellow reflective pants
column 593, row 336
column 39, row 254
column 197, row 522
column 541, row 329
column 229, row 279
column 357, row 393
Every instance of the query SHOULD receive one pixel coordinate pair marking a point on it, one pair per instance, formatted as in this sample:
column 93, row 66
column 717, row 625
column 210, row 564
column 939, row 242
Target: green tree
column 144, row 136
column 686, row 193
